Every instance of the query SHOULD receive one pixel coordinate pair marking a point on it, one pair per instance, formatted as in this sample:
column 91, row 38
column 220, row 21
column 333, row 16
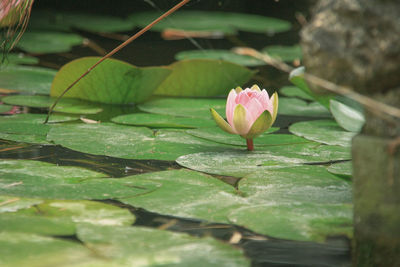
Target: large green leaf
column 323, row 131
column 65, row 105
column 284, row 53
column 203, row 78
column 241, row 163
column 28, row 128
column 40, row 42
column 224, row 22
column 129, row 142
column 225, row 55
column 294, row 91
column 12, row 203
column 298, row 107
column 20, row 58
column 112, row 82
column 140, row 246
column 24, row 249
column 187, row 194
column 162, row 121
column 343, row 169
column 297, row 78
column 185, row 107
column 301, row 203
column 60, row 217
column 26, row 79
column 26, row 178
column 5, row 108
column 349, row 118
column 217, row 135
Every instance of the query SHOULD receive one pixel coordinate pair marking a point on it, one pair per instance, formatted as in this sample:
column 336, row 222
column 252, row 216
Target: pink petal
column 254, row 109
column 243, row 97
column 230, row 106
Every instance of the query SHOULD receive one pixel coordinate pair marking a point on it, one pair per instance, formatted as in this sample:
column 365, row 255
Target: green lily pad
column 112, row 82
column 12, row 203
column 184, row 107
column 26, row 178
column 61, row 216
column 298, row 107
column 203, row 78
column 301, row 203
column 294, row 91
column 5, row 108
column 323, row 131
column 55, row 20
column 28, row 128
column 20, row 58
column 175, row 196
column 265, row 139
column 40, row 42
column 297, row 78
column 242, row 163
column 24, row 249
column 349, row 118
column 26, row 79
column 129, row 246
column 223, row 22
column 225, row 55
column 73, row 106
column 161, row 121
column 284, row 53
column 129, row 142
column 344, row 169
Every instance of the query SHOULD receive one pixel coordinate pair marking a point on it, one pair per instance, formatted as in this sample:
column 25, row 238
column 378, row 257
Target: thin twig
column 115, row 50
column 376, row 107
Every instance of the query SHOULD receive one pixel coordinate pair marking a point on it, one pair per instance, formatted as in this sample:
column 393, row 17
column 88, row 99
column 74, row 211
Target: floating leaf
column 347, row 117
column 225, row 55
column 298, row 107
column 26, row 79
column 40, row 42
column 224, row 22
column 5, row 108
column 24, row 249
column 161, row 121
column 215, row 134
column 28, row 128
column 12, row 204
column 241, row 163
column 294, row 91
column 297, row 78
column 20, row 58
column 344, row 169
column 130, row 246
column 60, row 217
column 185, row 107
column 55, row 20
column 301, row 203
column 175, row 195
column 112, row 82
column 284, row 53
column 26, row 178
column 73, row 106
column 322, row 131
column 203, row 78
column 129, row 142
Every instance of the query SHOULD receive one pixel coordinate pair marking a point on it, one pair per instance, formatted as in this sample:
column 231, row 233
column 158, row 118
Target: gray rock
column 355, row 43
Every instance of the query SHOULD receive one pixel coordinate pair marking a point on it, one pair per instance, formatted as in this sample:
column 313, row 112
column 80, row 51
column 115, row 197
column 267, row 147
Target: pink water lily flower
column 249, row 112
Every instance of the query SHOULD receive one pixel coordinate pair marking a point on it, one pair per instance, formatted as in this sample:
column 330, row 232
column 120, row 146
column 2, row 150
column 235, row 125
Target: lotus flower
column 249, row 112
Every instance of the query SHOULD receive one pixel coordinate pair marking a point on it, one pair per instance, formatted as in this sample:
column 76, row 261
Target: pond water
column 152, row 50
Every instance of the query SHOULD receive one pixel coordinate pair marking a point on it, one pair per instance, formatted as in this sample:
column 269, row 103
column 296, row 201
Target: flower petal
column 230, row 106
column 256, row 88
column 262, row 123
column 238, row 89
column 221, row 122
column 254, row 109
column 240, row 123
column 275, row 102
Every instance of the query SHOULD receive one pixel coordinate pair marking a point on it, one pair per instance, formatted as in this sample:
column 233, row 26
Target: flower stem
column 250, row 145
